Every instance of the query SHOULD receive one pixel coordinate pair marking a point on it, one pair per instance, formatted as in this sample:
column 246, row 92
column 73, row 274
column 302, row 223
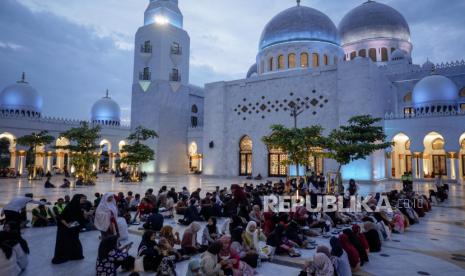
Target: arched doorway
column 195, row 159
column 245, row 156
column 5, row 155
column 61, row 161
column 434, row 156
column 462, row 155
column 104, row 161
column 401, row 156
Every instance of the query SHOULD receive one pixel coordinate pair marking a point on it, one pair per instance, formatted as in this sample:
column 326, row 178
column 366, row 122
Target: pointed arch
column 245, row 155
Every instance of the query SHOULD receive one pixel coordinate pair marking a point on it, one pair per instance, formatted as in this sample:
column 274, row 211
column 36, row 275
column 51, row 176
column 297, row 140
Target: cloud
column 69, row 64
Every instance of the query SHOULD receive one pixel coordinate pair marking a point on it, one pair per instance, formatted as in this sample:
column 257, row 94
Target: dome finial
column 298, row 3
column 23, row 78
column 106, row 95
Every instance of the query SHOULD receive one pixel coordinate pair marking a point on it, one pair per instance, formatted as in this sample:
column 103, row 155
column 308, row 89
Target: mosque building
column 304, row 62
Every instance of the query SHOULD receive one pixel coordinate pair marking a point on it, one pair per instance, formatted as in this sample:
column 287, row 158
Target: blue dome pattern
column 299, row 23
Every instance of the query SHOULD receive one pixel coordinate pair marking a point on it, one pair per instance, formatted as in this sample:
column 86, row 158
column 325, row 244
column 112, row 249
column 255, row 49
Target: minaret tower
column 160, row 95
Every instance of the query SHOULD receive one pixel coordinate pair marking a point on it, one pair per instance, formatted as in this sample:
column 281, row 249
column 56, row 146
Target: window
column 276, row 166
column 174, row 76
column 194, row 109
column 175, row 49
column 439, row 165
column 408, row 163
column 280, row 62
column 270, row 64
column 462, row 107
column 353, row 55
column 194, row 121
column 146, row 75
column 245, row 156
column 408, row 97
column 146, row 47
column 325, row 60
column 291, row 60
column 384, row 54
column 392, row 50
column 372, row 54
column 362, row 53
column 316, row 60
column 438, row 144
column 304, row 60
column 408, row 111
column 462, row 92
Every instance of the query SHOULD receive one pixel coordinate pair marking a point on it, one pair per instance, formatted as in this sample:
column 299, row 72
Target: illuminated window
column 372, row 54
column 438, row 144
column 280, row 62
column 304, row 60
column 276, row 163
column 291, row 60
column 270, row 64
column 462, row 107
column 362, row 53
column 408, row 97
column 325, row 60
column 316, row 60
column 384, row 54
column 408, row 111
column 245, row 156
column 353, row 55
column 462, row 92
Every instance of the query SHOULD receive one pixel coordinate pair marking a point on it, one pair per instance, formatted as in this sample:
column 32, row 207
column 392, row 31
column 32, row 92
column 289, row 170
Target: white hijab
column 104, row 212
column 253, row 234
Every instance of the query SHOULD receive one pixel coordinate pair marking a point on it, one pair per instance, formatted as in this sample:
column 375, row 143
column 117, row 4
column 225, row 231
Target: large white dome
column 299, row 23
column 21, row 99
column 373, row 20
column 106, row 111
column 435, row 90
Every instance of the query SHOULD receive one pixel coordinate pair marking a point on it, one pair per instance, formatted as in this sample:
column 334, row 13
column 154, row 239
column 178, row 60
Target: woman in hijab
column 69, row 222
column 339, row 258
column 357, row 232
column 248, row 256
column 293, row 234
column 189, row 244
column 252, row 236
column 352, row 253
column 13, row 250
column 228, row 253
column 322, row 265
column 110, row 257
column 323, row 249
column 210, row 232
column 106, row 216
column 398, row 222
column 167, row 233
column 358, row 245
column 372, row 236
column 278, row 240
column 193, row 269
column 149, row 251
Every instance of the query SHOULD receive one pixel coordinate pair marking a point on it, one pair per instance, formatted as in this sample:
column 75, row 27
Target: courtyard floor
column 435, row 246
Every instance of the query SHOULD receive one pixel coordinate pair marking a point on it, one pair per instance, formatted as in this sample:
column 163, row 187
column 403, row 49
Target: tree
column 314, row 143
column 289, row 140
column 357, row 140
column 136, row 152
column 33, row 141
column 83, row 144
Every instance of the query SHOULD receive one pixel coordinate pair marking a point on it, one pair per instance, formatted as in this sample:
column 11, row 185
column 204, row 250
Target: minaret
column 160, row 96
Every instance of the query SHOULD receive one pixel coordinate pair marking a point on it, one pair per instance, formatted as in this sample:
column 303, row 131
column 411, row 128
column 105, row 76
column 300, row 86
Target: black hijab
column 73, row 211
column 215, row 248
column 147, row 240
column 212, row 228
column 336, row 247
column 9, row 239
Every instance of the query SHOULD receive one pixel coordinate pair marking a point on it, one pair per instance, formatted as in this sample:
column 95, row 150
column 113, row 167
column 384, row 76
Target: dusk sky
column 72, row 50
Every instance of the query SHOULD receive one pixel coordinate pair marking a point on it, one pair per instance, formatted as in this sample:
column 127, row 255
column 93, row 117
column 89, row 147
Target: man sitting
column 42, row 216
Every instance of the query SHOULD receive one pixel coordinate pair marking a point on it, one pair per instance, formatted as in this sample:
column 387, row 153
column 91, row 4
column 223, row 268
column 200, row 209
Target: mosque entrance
column 439, row 165
column 195, row 159
column 5, row 156
column 104, row 161
column 245, row 156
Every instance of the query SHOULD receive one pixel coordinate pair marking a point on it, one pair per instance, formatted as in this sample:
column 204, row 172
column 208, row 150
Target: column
column 49, row 161
column 22, row 159
column 13, row 159
column 388, row 165
column 451, row 171
column 415, row 166
column 457, row 167
column 421, row 171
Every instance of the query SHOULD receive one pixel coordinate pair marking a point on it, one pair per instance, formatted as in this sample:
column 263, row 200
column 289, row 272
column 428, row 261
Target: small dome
column 398, row 55
column 106, row 111
column 253, row 71
column 435, row 90
column 299, row 23
column 373, row 20
column 428, row 65
column 21, row 97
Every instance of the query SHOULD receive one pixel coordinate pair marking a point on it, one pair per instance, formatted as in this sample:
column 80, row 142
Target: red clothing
column 145, row 208
column 356, row 229
column 352, row 253
column 268, row 225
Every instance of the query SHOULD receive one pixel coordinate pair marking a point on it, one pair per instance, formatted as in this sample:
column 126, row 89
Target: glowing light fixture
column 161, row 20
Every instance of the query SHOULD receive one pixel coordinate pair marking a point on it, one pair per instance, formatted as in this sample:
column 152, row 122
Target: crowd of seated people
column 8, row 173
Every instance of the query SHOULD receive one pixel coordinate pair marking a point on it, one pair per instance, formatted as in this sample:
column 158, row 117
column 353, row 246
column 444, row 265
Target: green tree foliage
column 357, row 140
column 136, row 152
column 83, row 145
column 33, row 141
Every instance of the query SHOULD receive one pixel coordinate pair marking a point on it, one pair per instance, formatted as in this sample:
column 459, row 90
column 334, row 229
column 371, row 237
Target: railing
column 145, row 76
column 147, row 49
column 392, row 116
column 176, row 50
